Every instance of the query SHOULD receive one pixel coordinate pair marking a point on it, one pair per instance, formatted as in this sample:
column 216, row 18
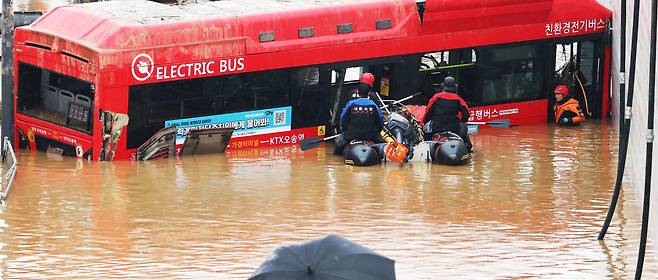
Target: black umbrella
column 328, row 258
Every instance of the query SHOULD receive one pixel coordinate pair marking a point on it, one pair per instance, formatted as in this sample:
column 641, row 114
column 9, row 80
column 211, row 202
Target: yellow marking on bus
column 321, row 130
column 385, row 86
column 30, row 135
column 448, row 67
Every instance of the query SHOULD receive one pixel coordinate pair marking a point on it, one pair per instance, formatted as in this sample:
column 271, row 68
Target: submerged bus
column 98, row 80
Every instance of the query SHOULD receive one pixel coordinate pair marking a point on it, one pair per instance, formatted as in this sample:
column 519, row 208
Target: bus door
column 395, row 80
column 392, row 81
column 339, row 98
column 345, row 81
column 112, row 123
column 580, row 66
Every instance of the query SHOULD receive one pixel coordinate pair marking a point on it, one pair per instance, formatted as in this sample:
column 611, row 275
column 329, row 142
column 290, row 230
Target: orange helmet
column 367, row 78
column 561, row 89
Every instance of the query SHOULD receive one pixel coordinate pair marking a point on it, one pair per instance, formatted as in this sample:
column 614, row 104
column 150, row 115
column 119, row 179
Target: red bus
column 98, row 80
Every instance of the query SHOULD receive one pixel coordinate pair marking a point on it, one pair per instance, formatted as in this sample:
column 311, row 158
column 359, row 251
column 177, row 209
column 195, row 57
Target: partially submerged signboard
column 160, row 145
column 243, row 124
column 197, row 141
column 206, row 141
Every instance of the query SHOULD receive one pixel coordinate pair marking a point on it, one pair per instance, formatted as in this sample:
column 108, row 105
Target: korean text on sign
column 482, row 114
column 574, row 27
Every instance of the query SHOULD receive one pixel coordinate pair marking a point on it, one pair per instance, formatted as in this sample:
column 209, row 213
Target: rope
column 584, row 94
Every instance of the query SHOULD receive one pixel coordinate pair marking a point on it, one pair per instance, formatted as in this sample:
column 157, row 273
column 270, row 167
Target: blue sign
column 246, row 123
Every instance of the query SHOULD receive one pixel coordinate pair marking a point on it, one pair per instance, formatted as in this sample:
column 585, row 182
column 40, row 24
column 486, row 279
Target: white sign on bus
column 143, row 68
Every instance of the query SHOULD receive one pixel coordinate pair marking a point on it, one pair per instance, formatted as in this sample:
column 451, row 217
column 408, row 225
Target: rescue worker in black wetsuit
column 361, row 119
column 567, row 110
column 446, row 111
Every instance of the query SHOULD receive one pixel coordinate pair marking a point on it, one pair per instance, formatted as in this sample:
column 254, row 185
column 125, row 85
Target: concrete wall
column 636, row 161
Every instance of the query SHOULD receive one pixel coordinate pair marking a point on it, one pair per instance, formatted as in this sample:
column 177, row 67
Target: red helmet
column 367, row 78
column 561, row 89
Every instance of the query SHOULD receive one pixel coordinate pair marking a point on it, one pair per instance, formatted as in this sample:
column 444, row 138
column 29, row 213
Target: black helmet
column 449, row 84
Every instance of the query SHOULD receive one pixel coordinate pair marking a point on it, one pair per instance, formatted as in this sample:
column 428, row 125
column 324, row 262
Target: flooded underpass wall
column 636, row 161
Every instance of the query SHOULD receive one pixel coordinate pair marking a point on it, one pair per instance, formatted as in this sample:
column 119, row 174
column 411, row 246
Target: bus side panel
column 451, row 16
column 520, row 113
column 476, row 23
column 47, row 134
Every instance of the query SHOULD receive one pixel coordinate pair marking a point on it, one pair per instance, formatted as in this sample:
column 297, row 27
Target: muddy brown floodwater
column 528, row 206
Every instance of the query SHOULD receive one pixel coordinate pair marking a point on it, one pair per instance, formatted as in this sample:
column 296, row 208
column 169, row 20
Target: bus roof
column 117, row 30
column 141, row 24
column 148, row 12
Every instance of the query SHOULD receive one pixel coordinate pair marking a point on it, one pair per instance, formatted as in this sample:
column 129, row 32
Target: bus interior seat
column 83, row 100
column 50, row 98
column 65, row 98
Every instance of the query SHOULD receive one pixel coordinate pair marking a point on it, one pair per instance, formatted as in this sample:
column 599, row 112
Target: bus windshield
column 54, row 97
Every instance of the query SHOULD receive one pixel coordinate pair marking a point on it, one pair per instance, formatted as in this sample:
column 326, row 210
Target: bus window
column 352, row 75
column 308, row 97
column 150, row 105
column 462, row 56
column 490, row 75
column 258, row 90
column 564, row 53
column 54, row 97
column 587, row 63
column 234, row 97
column 512, row 73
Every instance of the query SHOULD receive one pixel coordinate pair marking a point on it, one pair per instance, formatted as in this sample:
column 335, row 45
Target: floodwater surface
column 528, row 206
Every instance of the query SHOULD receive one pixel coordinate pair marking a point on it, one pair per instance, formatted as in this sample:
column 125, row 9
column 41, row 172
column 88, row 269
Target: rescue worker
column 567, row 109
column 446, row 111
column 361, row 119
column 366, row 82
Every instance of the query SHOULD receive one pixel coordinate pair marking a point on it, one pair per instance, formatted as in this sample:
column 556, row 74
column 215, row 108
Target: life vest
column 571, row 105
column 446, row 110
column 361, row 119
